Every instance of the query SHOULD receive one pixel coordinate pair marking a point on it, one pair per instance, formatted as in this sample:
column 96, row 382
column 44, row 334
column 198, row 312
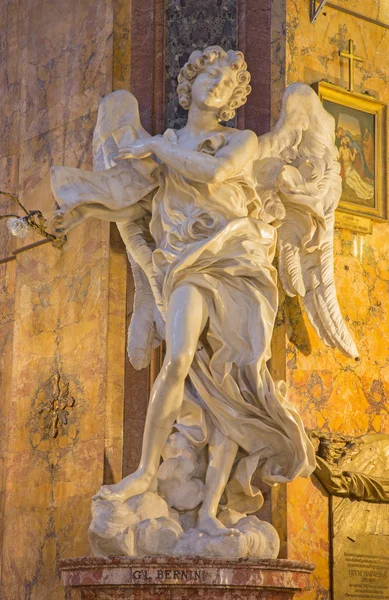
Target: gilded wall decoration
column 360, row 126
column 54, row 411
column 358, row 481
column 34, row 219
column 355, row 472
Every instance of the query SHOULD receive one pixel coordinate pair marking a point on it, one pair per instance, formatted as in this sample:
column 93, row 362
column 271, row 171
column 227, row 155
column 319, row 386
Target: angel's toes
column 235, row 532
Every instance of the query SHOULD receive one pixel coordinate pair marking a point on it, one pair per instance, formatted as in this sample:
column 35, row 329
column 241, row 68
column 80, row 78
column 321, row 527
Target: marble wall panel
column 278, row 57
column 66, row 52
column 10, row 17
column 146, row 22
column 7, row 290
column 10, row 84
column 254, row 28
column 333, row 392
column 122, row 45
column 378, row 10
column 116, row 358
column 65, row 302
column 50, row 480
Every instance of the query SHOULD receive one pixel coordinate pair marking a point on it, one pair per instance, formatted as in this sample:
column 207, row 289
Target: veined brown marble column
column 147, row 69
column 262, row 39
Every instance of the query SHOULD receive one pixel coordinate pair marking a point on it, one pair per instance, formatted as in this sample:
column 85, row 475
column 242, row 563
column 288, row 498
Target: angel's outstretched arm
column 62, row 222
column 199, row 166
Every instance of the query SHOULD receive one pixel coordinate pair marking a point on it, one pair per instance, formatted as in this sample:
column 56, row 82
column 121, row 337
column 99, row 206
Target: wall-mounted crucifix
column 352, row 59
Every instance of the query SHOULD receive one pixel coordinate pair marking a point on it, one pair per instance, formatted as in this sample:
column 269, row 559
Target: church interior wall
column 57, row 310
column 334, row 393
column 65, row 311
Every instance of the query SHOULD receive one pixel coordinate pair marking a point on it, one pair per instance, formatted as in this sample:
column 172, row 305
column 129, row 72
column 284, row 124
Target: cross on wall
column 353, row 58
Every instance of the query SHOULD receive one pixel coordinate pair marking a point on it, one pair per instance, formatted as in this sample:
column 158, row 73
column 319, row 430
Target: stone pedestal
column 173, row 578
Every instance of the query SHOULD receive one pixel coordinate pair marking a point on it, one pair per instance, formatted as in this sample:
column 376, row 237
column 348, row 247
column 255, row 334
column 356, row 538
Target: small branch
column 15, row 199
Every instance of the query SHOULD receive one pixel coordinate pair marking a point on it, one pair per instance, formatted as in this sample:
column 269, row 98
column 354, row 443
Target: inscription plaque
column 361, row 567
column 355, row 223
column 169, row 575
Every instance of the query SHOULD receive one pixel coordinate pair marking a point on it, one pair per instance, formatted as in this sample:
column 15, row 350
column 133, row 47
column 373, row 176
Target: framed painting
column 360, row 126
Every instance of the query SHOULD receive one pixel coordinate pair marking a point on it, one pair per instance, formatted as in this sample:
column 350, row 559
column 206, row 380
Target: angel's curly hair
column 198, row 61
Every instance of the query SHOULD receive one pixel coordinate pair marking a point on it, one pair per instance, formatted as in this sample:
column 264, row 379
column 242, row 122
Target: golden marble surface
column 378, row 10
column 66, row 318
column 9, row 159
column 122, row 44
column 333, row 392
column 59, row 311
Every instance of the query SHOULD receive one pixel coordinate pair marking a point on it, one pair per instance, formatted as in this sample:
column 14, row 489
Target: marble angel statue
column 201, row 211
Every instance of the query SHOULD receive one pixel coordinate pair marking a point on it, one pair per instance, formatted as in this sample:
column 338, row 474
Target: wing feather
column 309, row 185
column 118, row 122
column 118, row 112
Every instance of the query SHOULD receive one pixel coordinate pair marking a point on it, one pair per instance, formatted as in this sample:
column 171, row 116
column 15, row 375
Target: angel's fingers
column 125, row 149
column 56, row 222
column 123, row 156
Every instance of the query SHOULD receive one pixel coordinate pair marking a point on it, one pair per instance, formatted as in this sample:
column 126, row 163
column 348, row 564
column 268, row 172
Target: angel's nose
column 216, row 87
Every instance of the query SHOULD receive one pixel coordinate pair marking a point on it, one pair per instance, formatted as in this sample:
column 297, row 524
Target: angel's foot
column 132, row 485
column 212, row 526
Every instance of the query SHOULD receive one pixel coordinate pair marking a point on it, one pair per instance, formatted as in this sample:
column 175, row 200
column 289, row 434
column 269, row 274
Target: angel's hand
column 62, row 222
column 141, row 148
column 272, row 206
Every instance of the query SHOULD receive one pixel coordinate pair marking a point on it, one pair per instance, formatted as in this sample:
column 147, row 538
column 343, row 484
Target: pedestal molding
column 286, row 576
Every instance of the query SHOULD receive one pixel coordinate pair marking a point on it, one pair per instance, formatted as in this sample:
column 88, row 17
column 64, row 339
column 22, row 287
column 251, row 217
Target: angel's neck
column 201, row 121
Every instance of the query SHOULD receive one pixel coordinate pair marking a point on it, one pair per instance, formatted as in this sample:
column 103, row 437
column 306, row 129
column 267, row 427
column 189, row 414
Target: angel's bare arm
column 63, row 222
column 198, row 166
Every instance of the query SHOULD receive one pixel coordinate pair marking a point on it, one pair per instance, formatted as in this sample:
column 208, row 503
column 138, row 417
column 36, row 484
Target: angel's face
column 214, row 86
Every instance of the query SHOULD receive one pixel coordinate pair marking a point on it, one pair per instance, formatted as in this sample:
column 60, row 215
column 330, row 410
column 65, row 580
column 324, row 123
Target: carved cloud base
column 177, row 578
column 144, row 525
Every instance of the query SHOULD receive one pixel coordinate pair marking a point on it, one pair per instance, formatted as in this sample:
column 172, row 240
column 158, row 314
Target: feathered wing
column 299, row 183
column 118, row 122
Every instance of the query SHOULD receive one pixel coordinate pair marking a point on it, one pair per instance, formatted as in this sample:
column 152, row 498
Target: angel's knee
column 178, row 364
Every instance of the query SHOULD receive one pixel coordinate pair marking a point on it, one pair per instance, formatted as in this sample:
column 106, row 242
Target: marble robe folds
column 207, row 234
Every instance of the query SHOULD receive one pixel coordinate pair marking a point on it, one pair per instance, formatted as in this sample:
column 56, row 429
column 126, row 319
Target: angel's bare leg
column 222, row 453
column 186, row 318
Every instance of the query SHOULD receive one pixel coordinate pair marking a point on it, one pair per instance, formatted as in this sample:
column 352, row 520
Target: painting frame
column 368, row 109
